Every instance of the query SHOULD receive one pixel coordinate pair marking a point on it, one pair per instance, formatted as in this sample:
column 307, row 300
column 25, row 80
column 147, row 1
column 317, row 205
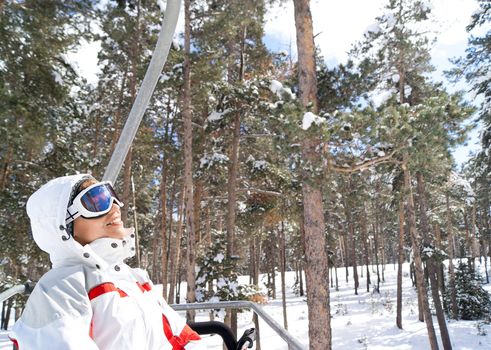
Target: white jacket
column 91, row 299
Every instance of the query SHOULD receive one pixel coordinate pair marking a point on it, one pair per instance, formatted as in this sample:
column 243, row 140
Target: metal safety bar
column 25, row 289
column 283, row 333
column 7, row 294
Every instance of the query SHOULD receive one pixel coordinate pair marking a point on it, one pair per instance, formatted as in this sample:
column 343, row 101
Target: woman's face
column 109, row 225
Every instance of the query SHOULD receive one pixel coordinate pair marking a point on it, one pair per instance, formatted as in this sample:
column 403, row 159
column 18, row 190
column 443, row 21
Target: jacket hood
column 47, row 210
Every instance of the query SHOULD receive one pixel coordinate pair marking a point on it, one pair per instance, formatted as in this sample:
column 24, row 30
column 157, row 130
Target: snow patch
column 175, row 44
column 161, row 5
column 57, row 77
column 279, row 90
column 309, row 118
column 373, row 28
column 260, row 165
column 219, row 258
column 164, row 77
column 215, row 116
column 207, row 161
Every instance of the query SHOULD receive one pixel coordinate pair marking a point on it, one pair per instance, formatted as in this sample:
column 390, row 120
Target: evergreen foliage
column 473, row 301
column 40, row 118
column 216, row 279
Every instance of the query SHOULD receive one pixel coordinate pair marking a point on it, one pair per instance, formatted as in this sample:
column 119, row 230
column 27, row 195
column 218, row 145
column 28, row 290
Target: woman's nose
column 114, row 208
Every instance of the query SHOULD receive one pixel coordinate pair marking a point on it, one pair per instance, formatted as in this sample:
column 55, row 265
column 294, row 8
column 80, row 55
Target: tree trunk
column 135, row 223
column 118, row 113
column 257, row 259
column 384, row 260
column 440, row 275
column 400, row 262
column 282, row 272
column 97, row 126
column 432, row 268
column 485, row 225
column 302, row 292
column 418, row 264
column 379, row 237
column 175, row 246
column 475, row 243
column 351, row 235
column 232, row 187
column 351, row 228
column 316, row 270
column 316, row 262
column 252, row 259
column 134, row 59
column 272, row 270
column 163, row 223
column 234, row 152
column 346, row 251
column 198, row 195
column 171, row 246
column 155, row 252
column 468, row 240
column 255, row 281
column 375, row 252
column 451, row 253
column 364, row 238
column 188, row 166
column 336, row 277
column 341, row 252
column 126, row 187
column 6, row 167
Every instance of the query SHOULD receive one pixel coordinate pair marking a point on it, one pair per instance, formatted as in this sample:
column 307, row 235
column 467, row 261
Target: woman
column 91, row 299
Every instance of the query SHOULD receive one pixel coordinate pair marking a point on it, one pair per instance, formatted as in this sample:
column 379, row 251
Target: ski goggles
column 93, row 202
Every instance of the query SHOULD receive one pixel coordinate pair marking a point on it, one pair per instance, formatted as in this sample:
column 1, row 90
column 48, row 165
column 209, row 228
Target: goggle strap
column 71, row 217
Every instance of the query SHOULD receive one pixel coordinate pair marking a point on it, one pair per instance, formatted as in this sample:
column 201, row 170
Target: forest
column 250, row 161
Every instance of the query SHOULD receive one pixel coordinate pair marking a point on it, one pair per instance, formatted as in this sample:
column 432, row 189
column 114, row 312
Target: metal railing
column 293, row 343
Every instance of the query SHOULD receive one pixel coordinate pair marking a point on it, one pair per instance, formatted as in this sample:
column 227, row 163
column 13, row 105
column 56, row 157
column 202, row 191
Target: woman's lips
column 116, row 222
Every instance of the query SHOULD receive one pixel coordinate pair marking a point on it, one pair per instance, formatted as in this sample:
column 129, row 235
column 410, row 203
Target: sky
column 338, row 24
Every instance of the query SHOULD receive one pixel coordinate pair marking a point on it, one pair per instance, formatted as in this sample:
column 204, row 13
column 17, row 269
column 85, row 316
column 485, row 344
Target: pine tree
column 474, row 68
column 398, row 56
column 473, row 301
column 39, row 117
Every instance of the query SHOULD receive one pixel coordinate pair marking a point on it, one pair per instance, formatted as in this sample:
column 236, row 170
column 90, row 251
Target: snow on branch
column 215, row 116
column 309, row 118
column 280, row 91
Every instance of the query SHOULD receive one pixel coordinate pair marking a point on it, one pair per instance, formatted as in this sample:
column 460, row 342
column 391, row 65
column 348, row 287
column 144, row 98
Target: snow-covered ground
column 364, row 321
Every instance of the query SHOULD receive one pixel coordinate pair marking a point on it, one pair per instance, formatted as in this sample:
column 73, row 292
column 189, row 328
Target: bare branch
column 257, row 190
column 361, row 166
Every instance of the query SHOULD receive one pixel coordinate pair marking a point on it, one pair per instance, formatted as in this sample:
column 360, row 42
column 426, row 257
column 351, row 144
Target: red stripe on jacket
column 105, row 288
column 16, row 344
column 177, row 342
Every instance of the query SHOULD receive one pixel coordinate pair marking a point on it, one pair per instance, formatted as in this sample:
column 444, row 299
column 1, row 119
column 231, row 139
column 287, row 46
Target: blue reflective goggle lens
column 99, row 198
